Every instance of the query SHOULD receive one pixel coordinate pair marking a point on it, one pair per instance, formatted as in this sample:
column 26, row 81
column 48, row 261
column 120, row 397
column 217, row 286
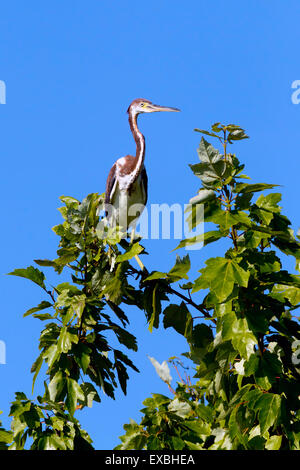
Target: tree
column 244, row 349
column 241, row 341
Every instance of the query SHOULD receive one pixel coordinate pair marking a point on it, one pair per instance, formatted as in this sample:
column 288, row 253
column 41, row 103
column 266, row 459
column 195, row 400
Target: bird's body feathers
column 126, row 195
column 127, row 183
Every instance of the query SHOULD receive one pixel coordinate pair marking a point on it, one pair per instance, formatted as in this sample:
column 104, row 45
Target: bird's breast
column 130, row 193
column 129, row 201
column 125, row 171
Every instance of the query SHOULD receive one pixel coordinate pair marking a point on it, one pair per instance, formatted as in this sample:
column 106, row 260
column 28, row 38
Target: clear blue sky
column 71, row 69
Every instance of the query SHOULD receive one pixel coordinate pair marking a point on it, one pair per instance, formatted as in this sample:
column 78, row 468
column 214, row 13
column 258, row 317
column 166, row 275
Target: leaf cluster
column 244, row 345
column 238, row 318
column 86, row 329
column 47, row 425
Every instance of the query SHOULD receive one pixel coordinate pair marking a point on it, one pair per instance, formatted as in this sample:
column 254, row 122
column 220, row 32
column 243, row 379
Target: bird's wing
column 111, row 183
column 145, row 184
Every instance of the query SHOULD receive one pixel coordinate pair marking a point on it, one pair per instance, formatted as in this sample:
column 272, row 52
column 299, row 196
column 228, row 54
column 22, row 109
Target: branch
column 192, row 303
column 200, row 308
column 170, row 289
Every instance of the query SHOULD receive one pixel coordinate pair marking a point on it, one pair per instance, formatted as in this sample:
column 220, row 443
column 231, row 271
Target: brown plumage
column 127, row 182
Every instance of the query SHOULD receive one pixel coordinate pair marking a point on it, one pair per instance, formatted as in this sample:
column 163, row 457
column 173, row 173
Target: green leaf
column 31, row 273
column 134, row 250
column 198, row 427
column 205, row 238
column 70, row 201
column 122, row 357
column 217, row 127
column 157, row 400
column 210, row 174
column 220, row 275
column 269, row 202
column 52, row 354
column 181, row 268
column 74, row 393
column 251, row 366
column 60, row 231
column 236, row 133
column 180, row 408
column 43, row 316
column 268, row 406
column 122, row 375
column 82, row 355
column 242, row 201
column 119, row 312
column 66, row 255
column 194, row 445
column 236, row 426
column 177, row 443
column 156, row 310
column 36, row 366
column 237, row 331
column 268, row 371
column 156, row 275
column 274, row 443
column 207, row 153
column 178, row 317
column 6, row 437
column 124, row 337
column 211, row 134
column 114, row 288
column 252, row 188
column 134, row 437
column 56, row 386
column 202, row 336
column 45, row 262
column 65, row 340
column 44, row 304
column 90, row 394
column 198, row 213
column 228, row 219
column 212, row 169
column 78, row 305
column 290, row 293
column 261, row 215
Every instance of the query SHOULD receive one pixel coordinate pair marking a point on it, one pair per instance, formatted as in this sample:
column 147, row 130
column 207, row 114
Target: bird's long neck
column 140, row 145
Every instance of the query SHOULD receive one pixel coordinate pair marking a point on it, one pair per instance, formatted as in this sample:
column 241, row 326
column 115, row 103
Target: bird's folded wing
column 110, row 184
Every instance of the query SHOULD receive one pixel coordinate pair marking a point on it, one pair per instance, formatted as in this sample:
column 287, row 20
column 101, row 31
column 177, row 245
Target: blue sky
column 71, row 69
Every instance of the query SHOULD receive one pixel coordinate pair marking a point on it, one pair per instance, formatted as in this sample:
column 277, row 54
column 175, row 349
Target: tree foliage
column 79, row 317
column 246, row 388
column 241, row 336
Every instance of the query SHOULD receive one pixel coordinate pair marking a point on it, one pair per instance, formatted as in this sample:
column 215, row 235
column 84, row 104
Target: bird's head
column 140, row 105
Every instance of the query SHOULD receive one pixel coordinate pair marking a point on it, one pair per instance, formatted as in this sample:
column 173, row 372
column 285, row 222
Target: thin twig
column 51, row 294
column 191, row 302
column 183, row 297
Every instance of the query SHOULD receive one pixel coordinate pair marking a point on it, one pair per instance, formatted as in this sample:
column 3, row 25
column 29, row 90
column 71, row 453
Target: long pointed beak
column 156, row 107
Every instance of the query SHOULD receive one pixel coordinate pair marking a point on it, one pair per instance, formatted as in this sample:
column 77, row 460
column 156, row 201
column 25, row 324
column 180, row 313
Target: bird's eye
column 142, row 104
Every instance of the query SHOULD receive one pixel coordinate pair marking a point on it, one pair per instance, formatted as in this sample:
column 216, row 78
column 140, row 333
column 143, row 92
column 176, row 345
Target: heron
column 127, row 182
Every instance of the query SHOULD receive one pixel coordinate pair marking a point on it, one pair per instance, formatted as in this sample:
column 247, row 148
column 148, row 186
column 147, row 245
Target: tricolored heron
column 127, row 182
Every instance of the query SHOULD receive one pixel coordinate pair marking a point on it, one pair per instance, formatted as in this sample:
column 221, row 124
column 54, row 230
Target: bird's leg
column 112, row 255
column 139, row 262
column 132, row 235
